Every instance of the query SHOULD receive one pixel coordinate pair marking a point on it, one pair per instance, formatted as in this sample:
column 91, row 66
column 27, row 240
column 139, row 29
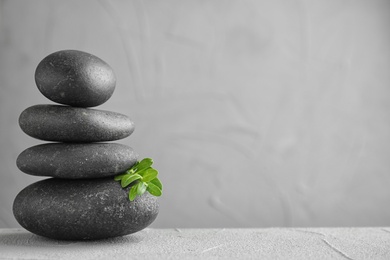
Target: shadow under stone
column 27, row 239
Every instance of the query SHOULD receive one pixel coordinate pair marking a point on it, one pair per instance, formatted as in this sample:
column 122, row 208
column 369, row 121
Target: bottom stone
column 82, row 209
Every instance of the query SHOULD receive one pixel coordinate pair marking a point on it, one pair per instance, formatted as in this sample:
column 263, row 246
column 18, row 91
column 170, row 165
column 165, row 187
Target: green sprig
column 142, row 177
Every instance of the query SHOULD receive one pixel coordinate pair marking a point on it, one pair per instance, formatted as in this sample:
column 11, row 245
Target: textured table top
column 267, row 243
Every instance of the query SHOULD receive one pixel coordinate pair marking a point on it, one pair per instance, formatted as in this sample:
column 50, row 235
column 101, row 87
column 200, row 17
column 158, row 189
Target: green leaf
column 126, row 180
column 157, row 182
column 133, row 192
column 133, row 168
column 141, row 188
column 142, row 177
column 154, row 189
column 119, row 177
column 130, row 171
column 144, row 164
column 149, row 174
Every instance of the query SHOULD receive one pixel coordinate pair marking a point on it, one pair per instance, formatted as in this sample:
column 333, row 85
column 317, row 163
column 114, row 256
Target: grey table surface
column 265, row 243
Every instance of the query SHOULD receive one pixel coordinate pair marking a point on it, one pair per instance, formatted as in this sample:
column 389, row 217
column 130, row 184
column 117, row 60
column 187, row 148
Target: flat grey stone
column 82, row 209
column 74, row 124
column 208, row 244
column 77, row 161
column 75, row 78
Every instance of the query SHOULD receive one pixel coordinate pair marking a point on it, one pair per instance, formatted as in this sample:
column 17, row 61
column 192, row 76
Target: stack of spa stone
column 81, row 200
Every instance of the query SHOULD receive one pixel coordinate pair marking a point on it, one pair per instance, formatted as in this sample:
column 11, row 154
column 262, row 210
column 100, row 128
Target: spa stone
column 74, row 124
column 77, row 161
column 82, row 209
column 75, row 78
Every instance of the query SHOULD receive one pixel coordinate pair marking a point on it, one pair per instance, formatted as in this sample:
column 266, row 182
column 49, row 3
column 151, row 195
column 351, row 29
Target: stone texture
column 75, row 78
column 209, row 244
column 76, row 161
column 74, row 124
column 82, row 209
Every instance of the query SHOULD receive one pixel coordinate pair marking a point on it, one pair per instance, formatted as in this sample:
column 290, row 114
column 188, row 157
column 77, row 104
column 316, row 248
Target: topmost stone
column 75, row 78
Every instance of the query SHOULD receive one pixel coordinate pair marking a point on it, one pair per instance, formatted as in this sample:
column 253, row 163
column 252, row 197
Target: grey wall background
column 257, row 113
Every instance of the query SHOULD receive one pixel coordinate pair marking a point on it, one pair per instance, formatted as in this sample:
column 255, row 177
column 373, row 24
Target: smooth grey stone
column 82, row 209
column 75, row 78
column 77, row 161
column 74, row 124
